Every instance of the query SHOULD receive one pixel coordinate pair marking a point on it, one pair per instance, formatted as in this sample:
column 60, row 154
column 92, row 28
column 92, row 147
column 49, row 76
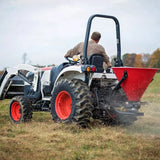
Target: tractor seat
column 97, row 60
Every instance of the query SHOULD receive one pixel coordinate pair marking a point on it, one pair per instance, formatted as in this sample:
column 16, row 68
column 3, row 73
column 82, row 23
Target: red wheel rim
column 16, row 111
column 63, row 105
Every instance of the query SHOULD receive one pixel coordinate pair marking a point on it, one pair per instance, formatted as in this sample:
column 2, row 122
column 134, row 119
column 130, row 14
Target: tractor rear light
column 93, row 69
column 88, row 69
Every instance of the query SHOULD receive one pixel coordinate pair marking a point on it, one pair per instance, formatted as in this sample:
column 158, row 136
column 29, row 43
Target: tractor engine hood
column 136, row 81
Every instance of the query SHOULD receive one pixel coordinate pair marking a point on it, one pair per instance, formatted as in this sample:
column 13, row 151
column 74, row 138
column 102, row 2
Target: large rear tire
column 20, row 109
column 71, row 102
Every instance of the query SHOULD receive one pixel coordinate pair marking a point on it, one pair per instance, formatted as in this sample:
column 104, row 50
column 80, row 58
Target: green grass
column 154, row 86
column 43, row 139
column 152, row 94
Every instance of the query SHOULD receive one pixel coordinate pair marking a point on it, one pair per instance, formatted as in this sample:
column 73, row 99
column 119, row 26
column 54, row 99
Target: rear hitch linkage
column 118, row 86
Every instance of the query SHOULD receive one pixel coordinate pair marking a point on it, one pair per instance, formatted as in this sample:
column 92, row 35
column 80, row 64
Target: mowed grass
column 42, row 139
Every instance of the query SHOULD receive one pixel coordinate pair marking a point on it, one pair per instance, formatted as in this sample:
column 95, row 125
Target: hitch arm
column 118, row 86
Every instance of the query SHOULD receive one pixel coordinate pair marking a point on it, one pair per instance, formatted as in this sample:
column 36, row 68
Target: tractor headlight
column 75, row 58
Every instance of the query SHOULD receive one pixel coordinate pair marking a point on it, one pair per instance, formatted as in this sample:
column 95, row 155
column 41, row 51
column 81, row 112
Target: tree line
column 142, row 60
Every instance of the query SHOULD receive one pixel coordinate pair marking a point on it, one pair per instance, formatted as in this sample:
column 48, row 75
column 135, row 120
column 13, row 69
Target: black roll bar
column 119, row 61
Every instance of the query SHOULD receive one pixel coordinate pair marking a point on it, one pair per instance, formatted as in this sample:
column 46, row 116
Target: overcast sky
column 46, row 30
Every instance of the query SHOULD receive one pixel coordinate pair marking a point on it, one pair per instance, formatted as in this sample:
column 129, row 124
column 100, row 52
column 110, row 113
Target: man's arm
column 106, row 58
column 73, row 51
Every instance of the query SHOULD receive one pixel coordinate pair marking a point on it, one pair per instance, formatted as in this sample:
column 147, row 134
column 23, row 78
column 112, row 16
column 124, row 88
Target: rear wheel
column 20, row 109
column 71, row 102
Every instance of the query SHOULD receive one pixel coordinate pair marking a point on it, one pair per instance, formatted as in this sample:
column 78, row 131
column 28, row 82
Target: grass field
column 42, row 139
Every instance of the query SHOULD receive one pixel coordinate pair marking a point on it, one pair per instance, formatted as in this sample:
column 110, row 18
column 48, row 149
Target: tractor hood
column 136, row 82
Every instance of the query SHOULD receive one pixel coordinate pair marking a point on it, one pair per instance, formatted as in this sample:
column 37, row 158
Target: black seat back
column 97, row 60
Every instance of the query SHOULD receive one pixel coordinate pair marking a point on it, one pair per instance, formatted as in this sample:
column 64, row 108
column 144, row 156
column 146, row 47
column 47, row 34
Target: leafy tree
column 129, row 59
column 155, row 59
column 146, row 58
column 138, row 61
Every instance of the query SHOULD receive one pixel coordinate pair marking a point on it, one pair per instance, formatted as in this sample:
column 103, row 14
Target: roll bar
column 118, row 61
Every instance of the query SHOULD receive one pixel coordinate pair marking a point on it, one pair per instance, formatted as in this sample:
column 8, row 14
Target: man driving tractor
column 93, row 48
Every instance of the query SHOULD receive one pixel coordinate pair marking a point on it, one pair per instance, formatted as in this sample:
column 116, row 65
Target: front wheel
column 20, row 109
column 71, row 102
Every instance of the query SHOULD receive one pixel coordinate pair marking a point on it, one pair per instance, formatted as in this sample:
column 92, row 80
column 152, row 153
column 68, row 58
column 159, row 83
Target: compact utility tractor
column 75, row 92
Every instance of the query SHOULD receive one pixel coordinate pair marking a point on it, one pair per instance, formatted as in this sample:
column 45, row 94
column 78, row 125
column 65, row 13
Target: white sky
column 46, row 30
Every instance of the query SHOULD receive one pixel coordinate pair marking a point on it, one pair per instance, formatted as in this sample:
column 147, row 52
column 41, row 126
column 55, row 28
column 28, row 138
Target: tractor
column 78, row 92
